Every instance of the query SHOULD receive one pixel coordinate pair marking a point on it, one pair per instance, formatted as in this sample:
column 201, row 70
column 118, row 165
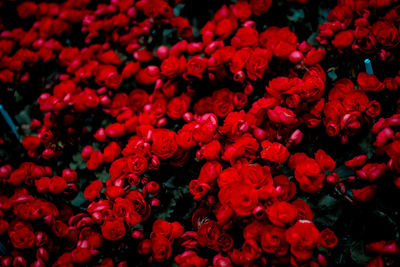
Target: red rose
column 208, row 234
column 328, row 238
column 386, row 34
column 225, row 27
column 115, row 130
column 314, row 56
column 274, row 152
column 309, row 175
column 364, row 194
column 343, row 39
column 273, row 240
column 81, row 255
column 282, row 115
column 257, row 63
column 94, row 238
column 304, row 212
column 31, row 143
column 281, row 213
column 373, row 108
column 26, row 9
column 113, row 230
column 173, row 66
column 243, row 199
column 259, row 7
column 163, row 228
column 251, row 250
column 196, row 66
column 342, row 14
column 383, row 247
column 255, row 175
column 286, row 189
column 161, row 248
column 324, row 160
column 189, row 258
column 137, row 99
column 365, row 41
column 148, row 75
column 111, row 151
column 198, row 189
column 303, row 237
column 245, row 36
column 357, row 161
column 139, row 203
column 211, row 150
column 178, row 106
column 136, row 163
column 241, row 10
column 57, row 185
column 22, row 237
column 369, row 82
column 95, row 160
column 244, row 146
column 164, row 143
column 229, row 176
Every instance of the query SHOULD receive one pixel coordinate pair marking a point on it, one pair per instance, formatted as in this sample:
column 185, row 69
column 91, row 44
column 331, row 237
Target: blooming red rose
column 303, row 237
column 386, row 34
column 369, row 82
column 328, row 238
column 164, row 143
column 113, row 229
column 95, row 160
column 173, row 66
column 161, row 248
column 257, row 63
column 196, row 66
column 286, row 189
column 364, row 194
column 343, row 39
column 309, row 175
column 251, row 250
column 31, row 142
column 274, row 152
column 81, row 255
column 189, row 258
column 259, row 7
column 273, row 240
column 22, row 237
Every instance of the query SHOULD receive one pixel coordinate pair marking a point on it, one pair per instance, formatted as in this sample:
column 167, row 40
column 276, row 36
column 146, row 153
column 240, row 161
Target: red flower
column 164, row 143
column 173, row 66
column 259, row 7
column 22, row 237
column 273, row 240
column 113, row 229
column 189, row 258
column 161, row 248
column 31, row 143
column 281, row 213
column 274, row 152
column 286, row 189
column 364, row 194
column 303, row 237
column 328, row 238
column 369, row 82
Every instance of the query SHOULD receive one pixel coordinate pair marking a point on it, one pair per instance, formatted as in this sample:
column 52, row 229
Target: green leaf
column 357, row 253
column 103, row 176
column 327, row 202
column 78, row 200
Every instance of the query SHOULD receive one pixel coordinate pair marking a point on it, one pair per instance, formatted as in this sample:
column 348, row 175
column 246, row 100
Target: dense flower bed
column 200, row 133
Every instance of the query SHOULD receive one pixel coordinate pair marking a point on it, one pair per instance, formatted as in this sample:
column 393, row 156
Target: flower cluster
column 233, row 142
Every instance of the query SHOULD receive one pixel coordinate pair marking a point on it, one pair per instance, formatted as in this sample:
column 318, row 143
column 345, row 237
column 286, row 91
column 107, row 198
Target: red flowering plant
column 199, row 133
